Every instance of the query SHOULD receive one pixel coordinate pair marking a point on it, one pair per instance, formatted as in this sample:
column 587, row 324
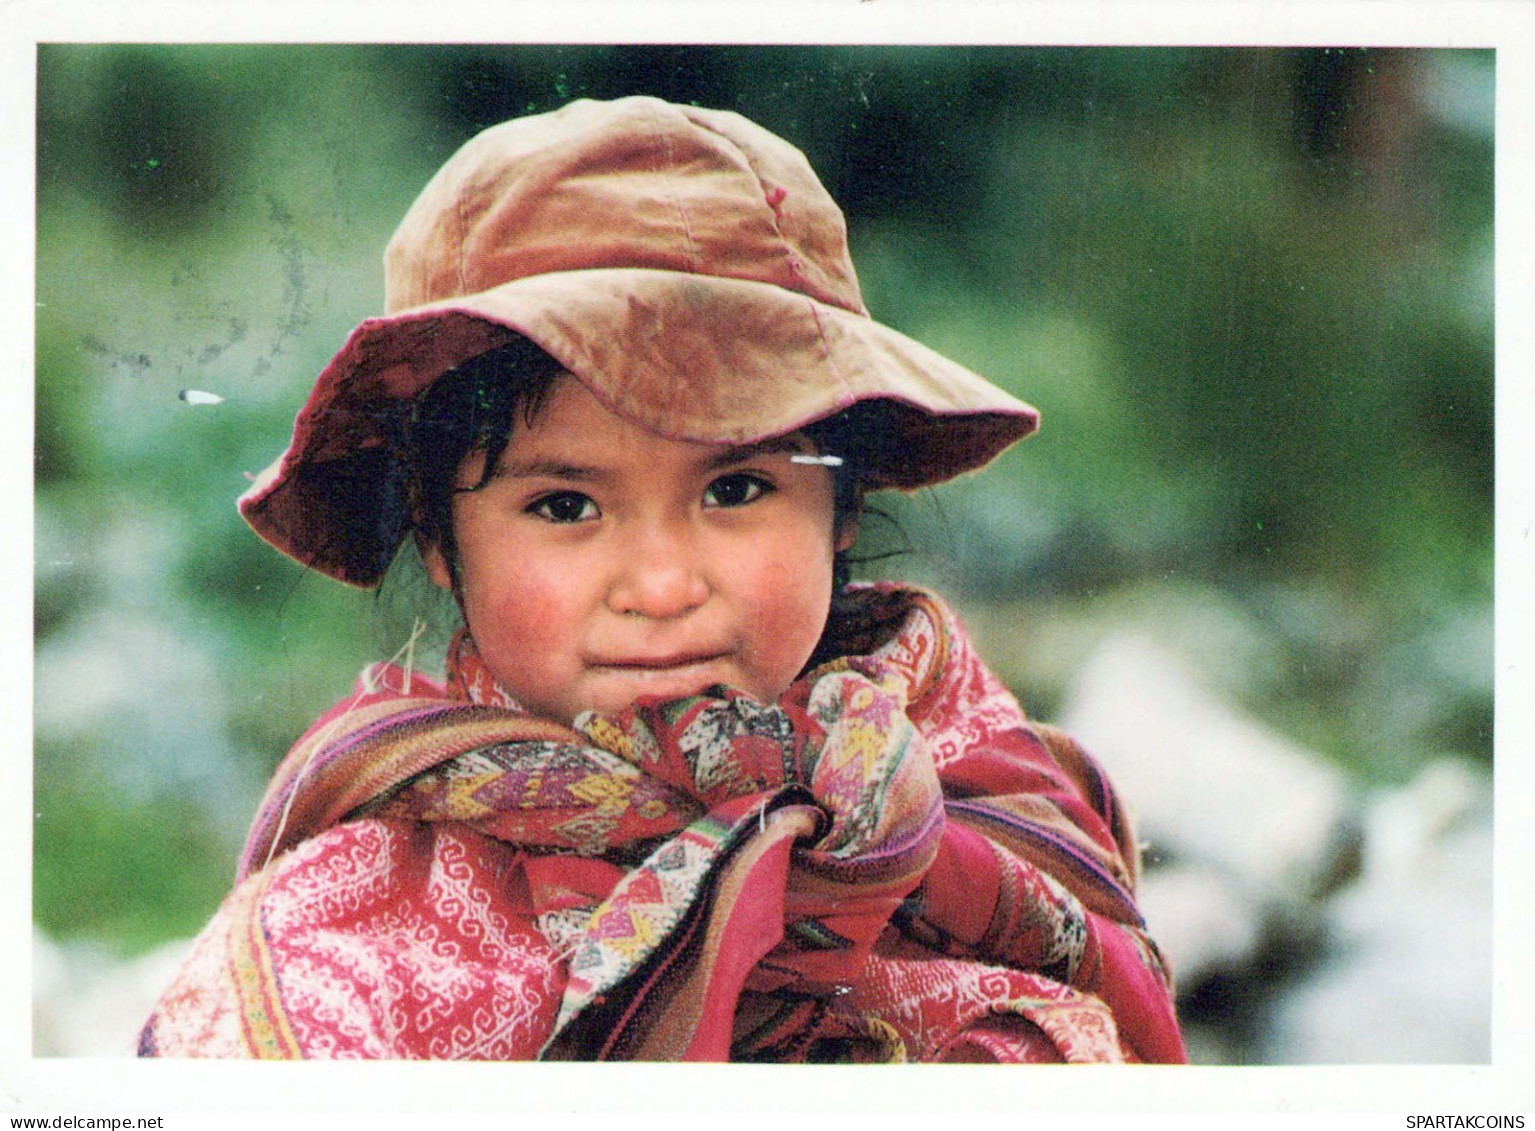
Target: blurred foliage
column 1251, row 291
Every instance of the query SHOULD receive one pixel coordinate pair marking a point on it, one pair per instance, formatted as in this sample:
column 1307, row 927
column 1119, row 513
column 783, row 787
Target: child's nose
column 658, row 576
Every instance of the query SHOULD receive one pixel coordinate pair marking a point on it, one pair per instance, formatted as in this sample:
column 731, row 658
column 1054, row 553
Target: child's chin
column 663, row 687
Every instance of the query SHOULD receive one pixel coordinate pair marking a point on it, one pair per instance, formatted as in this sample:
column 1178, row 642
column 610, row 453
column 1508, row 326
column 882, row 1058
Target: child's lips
column 675, row 662
column 676, row 675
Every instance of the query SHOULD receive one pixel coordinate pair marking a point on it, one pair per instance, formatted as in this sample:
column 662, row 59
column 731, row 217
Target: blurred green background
column 1251, row 291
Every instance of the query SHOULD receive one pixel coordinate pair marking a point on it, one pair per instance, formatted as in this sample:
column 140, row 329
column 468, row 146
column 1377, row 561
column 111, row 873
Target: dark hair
column 471, row 408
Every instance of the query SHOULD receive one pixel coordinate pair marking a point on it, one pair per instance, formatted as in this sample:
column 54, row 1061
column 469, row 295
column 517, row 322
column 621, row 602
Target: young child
column 686, row 793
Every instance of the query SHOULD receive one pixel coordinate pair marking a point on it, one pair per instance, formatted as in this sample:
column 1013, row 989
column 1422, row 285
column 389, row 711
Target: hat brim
column 690, row 357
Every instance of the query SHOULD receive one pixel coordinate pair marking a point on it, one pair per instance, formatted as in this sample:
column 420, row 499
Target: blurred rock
column 139, row 704
column 1207, row 784
column 1304, row 925
column 86, row 1002
column 1408, row 977
column 50, row 986
column 1199, row 919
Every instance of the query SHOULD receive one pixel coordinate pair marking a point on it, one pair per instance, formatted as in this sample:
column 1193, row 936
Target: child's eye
column 564, row 507
column 736, row 490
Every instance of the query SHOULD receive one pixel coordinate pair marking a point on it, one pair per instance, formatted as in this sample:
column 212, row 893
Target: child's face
column 602, row 562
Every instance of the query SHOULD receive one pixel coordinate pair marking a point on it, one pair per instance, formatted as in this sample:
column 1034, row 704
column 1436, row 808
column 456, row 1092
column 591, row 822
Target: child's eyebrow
column 546, row 469
column 542, row 468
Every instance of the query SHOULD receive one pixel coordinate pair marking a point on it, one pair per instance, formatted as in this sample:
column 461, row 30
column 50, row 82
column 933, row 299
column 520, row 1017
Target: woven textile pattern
column 889, row 863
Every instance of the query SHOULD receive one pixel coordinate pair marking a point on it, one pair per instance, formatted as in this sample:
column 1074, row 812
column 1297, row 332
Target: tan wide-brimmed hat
column 684, row 264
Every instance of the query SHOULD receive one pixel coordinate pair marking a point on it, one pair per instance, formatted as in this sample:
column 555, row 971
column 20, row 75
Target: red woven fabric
column 890, row 863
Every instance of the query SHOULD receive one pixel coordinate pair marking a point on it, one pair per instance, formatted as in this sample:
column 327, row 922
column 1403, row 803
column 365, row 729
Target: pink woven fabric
column 890, row 863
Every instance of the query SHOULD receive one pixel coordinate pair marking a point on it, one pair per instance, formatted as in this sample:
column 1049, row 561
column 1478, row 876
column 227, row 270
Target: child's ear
column 436, row 563
column 847, row 534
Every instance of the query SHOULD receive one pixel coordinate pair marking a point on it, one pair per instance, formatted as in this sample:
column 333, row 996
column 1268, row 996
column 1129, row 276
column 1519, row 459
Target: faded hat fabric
column 684, row 264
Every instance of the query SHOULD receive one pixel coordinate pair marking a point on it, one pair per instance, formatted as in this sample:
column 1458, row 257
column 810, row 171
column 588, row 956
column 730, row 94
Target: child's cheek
column 520, row 604
column 791, row 585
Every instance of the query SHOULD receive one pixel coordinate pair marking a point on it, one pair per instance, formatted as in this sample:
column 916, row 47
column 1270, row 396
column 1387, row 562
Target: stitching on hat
column 774, row 196
column 459, row 238
column 696, row 259
column 831, row 357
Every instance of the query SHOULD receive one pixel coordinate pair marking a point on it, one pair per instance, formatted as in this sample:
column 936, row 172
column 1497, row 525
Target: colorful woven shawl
column 890, row 863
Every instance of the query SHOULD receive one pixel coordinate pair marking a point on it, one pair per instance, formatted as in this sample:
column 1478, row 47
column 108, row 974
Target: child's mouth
column 673, row 677
column 659, row 665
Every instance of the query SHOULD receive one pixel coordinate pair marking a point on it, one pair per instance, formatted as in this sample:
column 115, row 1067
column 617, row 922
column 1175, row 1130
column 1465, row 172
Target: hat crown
column 634, row 183
column 685, row 264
